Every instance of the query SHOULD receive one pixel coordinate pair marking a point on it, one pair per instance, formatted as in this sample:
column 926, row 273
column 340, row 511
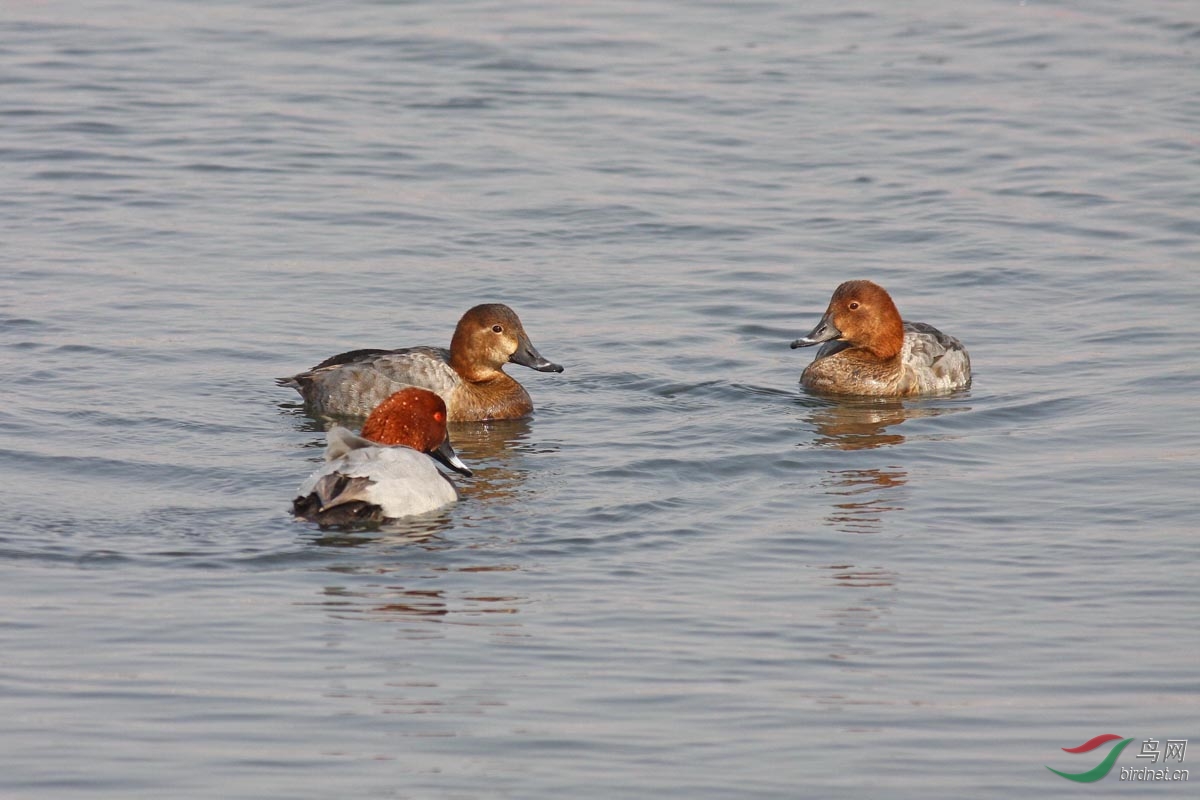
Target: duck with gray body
column 388, row 472
column 365, row 481
column 867, row 349
column 469, row 376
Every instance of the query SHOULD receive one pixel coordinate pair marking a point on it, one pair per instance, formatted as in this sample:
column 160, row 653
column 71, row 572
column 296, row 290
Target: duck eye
column 853, row 305
column 497, row 329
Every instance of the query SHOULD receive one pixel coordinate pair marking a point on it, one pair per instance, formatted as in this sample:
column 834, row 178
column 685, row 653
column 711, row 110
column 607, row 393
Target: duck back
column 362, row 480
column 355, row 382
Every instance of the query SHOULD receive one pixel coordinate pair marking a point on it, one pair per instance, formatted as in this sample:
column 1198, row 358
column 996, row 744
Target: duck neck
column 498, row 397
column 869, row 357
column 883, row 351
column 473, row 372
column 885, row 339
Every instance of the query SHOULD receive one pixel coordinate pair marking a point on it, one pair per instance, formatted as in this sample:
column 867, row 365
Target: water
column 683, row 577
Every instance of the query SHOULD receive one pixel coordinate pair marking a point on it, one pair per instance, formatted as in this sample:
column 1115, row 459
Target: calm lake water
column 684, row 577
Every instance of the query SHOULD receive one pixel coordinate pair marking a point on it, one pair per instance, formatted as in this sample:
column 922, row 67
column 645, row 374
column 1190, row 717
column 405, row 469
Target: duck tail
column 337, row 500
column 339, row 441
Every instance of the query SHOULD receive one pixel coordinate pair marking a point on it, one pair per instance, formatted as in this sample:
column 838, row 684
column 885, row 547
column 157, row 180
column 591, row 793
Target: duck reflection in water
column 863, row 496
column 423, row 531
column 859, row 425
column 868, row 495
column 497, row 450
column 375, row 594
column 859, row 610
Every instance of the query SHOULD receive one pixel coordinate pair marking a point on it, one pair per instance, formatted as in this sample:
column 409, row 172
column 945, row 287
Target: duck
column 469, row 376
column 867, row 349
column 388, row 471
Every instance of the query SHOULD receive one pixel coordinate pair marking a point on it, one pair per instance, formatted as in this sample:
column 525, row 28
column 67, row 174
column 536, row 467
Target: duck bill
column 824, row 332
column 445, row 454
column 528, row 356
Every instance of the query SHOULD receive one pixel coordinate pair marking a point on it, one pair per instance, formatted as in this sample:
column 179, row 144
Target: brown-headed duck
column 469, row 376
column 387, row 472
column 869, row 350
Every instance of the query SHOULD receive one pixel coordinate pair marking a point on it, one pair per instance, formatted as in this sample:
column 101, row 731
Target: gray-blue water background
column 683, row 577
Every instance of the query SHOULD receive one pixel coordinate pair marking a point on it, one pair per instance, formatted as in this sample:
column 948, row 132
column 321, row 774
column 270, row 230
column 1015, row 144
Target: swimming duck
column 469, row 376
column 387, row 472
column 869, row 350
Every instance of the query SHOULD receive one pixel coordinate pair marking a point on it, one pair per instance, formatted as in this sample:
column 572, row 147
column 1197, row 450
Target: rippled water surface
column 683, row 577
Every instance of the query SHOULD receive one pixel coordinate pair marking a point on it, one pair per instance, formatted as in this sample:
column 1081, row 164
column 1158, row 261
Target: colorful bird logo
column 1100, row 770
